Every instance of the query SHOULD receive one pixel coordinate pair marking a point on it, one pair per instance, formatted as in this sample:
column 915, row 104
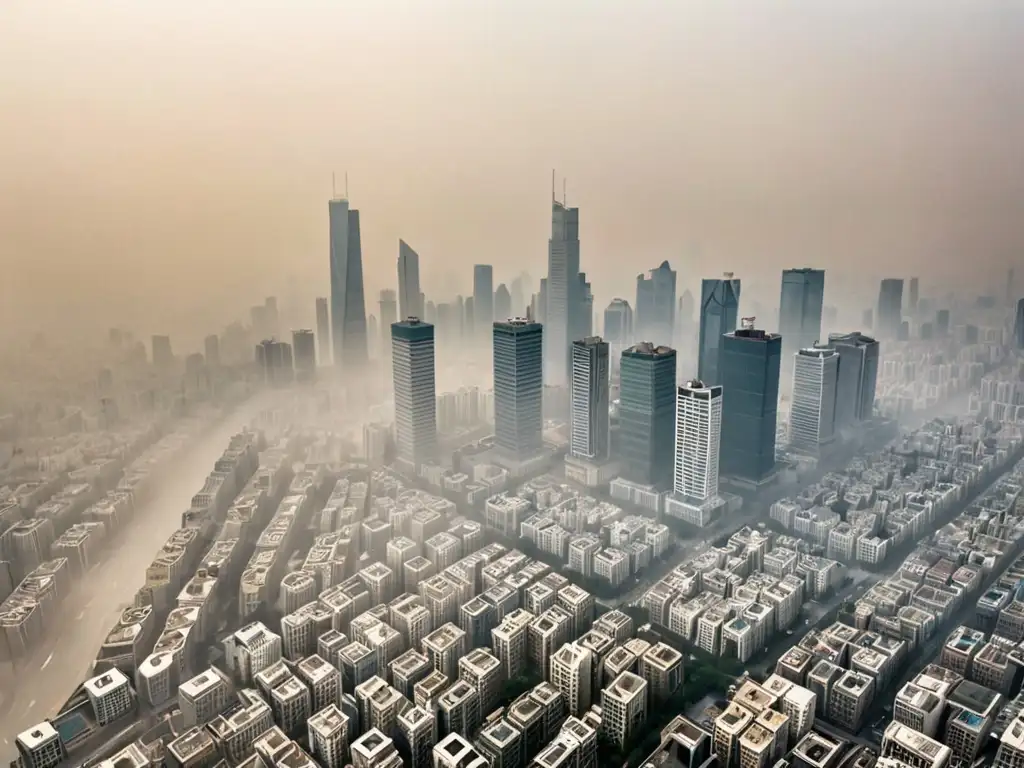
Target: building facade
column 719, row 308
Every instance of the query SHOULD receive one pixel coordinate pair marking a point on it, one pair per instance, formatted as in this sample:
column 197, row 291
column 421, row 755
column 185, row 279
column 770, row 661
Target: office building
column 571, row 675
column 857, row 376
column 518, row 388
column 698, row 435
column 444, row 647
column 647, row 414
column 751, row 361
column 913, row 748
column 412, row 355
column 589, row 414
column 410, row 302
column 203, row 697
column 719, row 310
column 40, row 746
column 502, row 743
column 618, row 324
column 483, row 297
column 890, row 308
column 375, row 750
column 623, row 708
column 323, row 330
column 729, row 726
column 348, row 303
column 483, row 671
column 849, row 700
column 323, row 681
column 111, row 696
column 252, row 649
column 562, row 295
column 662, row 667
column 274, row 362
column 813, row 407
column 455, row 751
column 803, row 292
column 656, row 305
column 1018, row 327
column 304, row 352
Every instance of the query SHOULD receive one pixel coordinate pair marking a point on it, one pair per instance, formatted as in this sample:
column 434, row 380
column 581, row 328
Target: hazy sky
column 163, row 164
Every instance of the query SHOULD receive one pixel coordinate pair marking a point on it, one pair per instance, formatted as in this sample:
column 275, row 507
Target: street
column 42, row 683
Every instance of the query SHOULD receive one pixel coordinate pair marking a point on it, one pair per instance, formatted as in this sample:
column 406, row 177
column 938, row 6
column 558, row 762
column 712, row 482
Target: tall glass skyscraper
column 589, row 415
column 410, row 300
column 483, row 297
column 348, row 304
column 890, row 308
column 656, row 305
column 323, row 330
column 751, row 361
column 618, row 322
column 412, row 360
column 647, row 414
column 800, row 305
column 518, row 388
column 719, row 308
column 561, row 291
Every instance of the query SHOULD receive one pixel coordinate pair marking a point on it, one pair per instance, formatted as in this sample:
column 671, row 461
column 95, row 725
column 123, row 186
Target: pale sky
column 165, row 164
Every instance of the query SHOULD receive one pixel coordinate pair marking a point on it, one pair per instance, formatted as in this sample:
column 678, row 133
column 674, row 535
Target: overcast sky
column 164, row 164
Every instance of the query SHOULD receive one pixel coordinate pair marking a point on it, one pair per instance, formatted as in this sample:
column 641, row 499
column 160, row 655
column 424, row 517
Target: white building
column 698, row 436
column 454, row 751
column 111, row 696
column 203, row 697
column 252, row 649
column 571, row 675
column 624, row 707
column 589, row 410
column 813, row 407
column 328, row 736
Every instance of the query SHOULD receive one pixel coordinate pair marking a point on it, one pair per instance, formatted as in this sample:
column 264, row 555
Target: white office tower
column 252, row 649
column 444, row 647
column 624, row 708
column 236, row 733
column 412, row 358
column 482, row 670
column 417, row 734
column 662, row 667
column 508, row 641
column 1011, row 745
column 40, row 746
column 589, row 414
column 328, row 737
column 913, row 748
column 297, row 589
column 440, row 598
column 323, row 681
column 571, row 675
column 454, row 751
column 203, row 697
column 292, row 704
column 458, row 710
column 812, row 412
column 375, row 750
column 111, row 696
column 698, row 435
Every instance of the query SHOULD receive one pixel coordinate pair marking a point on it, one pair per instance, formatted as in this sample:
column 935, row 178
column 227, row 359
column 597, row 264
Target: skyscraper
column 304, row 350
column 656, row 304
column 163, row 357
column 388, row 315
column 561, row 292
column 1018, row 328
column 813, row 408
column 520, row 295
column 409, row 298
column 618, row 323
column 647, row 414
column 719, row 307
column 913, row 295
column 483, row 297
column 412, row 355
column 348, row 304
column 274, row 360
column 323, row 330
column 942, row 323
column 518, row 387
column 751, row 360
column 697, row 441
column 589, row 417
column 857, row 377
column 503, row 304
column 800, row 305
column 890, row 308
column 583, row 317
column 211, row 348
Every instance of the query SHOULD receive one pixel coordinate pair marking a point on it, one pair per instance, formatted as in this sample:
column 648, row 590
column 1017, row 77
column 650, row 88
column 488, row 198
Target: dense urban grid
column 690, row 542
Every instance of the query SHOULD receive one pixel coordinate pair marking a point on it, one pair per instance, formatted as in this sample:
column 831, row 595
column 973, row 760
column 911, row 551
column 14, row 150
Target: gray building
column 502, row 303
column 1018, row 329
column 483, row 297
column 518, row 387
column 348, row 303
column 410, row 300
column 751, row 360
column 656, row 305
column 800, row 306
column 323, row 330
column 561, row 291
column 304, row 352
column 647, row 403
column 589, row 415
column 890, row 308
column 719, row 310
column 857, row 377
column 618, row 323
column 412, row 360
